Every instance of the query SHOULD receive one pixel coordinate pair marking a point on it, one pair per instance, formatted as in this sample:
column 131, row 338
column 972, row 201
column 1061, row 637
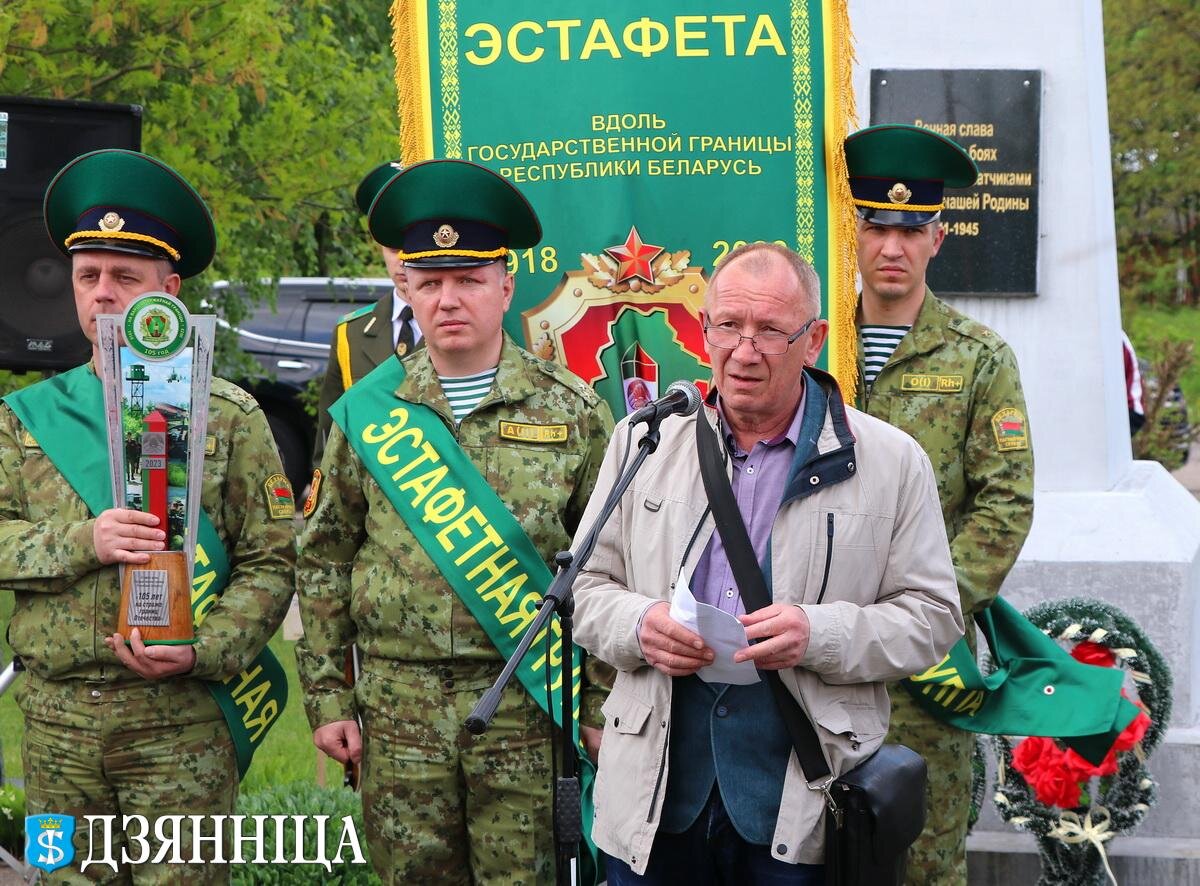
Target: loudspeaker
column 39, row 328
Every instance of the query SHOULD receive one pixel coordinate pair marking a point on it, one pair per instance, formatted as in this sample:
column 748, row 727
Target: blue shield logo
column 48, row 841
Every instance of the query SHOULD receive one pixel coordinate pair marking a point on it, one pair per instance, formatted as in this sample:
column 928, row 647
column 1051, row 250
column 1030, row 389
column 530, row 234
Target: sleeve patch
column 1008, row 427
column 310, row 503
column 280, row 502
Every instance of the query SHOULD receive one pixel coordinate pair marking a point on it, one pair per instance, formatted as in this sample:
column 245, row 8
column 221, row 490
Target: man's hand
column 341, row 740
column 151, row 662
column 669, row 646
column 591, row 741
column 123, row 536
column 787, row 628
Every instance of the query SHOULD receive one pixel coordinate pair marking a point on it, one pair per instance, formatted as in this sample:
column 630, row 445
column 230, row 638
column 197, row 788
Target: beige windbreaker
column 890, row 607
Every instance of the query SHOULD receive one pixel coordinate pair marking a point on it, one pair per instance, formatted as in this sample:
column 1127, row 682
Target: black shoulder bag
column 872, row 813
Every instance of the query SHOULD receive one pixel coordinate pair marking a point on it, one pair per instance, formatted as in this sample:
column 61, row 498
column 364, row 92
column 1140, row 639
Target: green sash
column 1036, row 689
column 466, row 530
column 65, row 414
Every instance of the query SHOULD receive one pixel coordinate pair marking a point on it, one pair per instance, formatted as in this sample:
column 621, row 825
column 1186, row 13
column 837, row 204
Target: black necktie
column 404, row 342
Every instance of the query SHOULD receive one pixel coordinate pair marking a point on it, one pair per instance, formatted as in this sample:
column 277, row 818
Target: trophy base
column 156, row 598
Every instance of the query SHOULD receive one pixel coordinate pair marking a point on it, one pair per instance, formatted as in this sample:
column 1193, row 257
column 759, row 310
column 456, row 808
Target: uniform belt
column 96, row 691
column 435, row 675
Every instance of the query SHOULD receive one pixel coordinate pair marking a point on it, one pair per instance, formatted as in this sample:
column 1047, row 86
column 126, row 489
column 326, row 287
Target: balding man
column 698, row 781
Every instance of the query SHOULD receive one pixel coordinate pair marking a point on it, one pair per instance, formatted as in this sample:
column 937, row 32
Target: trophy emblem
column 156, row 368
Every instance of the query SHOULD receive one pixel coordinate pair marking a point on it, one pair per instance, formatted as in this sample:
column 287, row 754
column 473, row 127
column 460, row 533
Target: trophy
column 156, row 368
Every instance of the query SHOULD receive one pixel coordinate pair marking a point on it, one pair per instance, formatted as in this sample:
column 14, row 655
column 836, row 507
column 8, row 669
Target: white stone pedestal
column 1104, row 526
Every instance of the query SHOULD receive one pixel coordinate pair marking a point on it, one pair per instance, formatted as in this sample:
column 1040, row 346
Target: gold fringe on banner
column 412, row 76
column 840, row 115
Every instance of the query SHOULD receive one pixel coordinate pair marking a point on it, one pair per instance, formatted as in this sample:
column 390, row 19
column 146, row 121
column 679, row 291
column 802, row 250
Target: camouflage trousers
column 939, row 857
column 148, row 749
column 444, row 806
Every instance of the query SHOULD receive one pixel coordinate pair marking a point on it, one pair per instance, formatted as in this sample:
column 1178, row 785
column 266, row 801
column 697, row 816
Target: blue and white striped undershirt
column 878, row 343
column 465, row 392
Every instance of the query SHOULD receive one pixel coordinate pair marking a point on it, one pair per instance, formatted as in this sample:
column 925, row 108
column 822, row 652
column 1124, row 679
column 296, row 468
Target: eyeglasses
column 770, row 344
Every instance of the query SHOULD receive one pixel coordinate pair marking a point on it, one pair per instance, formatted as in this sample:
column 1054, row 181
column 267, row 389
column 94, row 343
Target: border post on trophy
column 156, row 368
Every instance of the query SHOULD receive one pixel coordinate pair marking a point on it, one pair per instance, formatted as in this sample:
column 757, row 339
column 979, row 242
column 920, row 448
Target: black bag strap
column 753, row 589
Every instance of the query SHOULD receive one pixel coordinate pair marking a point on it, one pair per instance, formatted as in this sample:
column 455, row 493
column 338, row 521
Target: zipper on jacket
column 828, row 554
column 662, row 765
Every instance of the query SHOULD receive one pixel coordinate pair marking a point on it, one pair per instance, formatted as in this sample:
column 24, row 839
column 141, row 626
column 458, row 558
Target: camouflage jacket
column 362, row 576
column 67, row 602
column 953, row 384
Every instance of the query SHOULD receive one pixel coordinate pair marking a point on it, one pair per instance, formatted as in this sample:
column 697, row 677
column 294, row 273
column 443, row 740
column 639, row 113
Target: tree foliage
column 1154, row 112
column 273, row 109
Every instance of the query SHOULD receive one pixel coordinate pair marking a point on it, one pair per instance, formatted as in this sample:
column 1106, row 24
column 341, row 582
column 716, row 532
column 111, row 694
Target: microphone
column 681, row 398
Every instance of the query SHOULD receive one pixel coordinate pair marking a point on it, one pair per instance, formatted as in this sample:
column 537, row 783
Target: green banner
column 651, row 140
column 65, row 414
column 1037, row 688
column 469, row 534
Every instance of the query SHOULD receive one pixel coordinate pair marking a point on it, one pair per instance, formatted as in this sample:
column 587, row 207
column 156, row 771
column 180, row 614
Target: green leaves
column 272, row 109
column 1154, row 112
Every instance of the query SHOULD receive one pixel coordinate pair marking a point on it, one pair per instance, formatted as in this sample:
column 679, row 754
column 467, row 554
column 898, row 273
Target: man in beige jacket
column 697, row 780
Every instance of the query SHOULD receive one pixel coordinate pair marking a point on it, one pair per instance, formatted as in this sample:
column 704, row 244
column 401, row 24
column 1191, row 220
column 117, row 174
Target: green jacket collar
column 376, row 341
column 928, row 331
column 512, row 384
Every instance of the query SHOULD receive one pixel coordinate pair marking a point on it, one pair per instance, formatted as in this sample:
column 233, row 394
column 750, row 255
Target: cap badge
column 111, row 222
column 445, row 236
column 900, row 193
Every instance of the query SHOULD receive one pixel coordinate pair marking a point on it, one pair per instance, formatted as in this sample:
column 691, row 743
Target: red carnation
column 1093, row 654
column 1057, row 786
column 1032, row 755
column 1133, row 733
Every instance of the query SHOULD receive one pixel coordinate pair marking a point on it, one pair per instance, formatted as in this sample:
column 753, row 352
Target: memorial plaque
column 991, row 245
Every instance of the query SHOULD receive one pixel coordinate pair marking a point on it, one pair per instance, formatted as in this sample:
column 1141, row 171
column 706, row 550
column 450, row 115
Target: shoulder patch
column 28, row 441
column 210, row 444
column 1008, row 427
column 281, row 504
column 227, row 390
column 314, row 490
column 356, row 313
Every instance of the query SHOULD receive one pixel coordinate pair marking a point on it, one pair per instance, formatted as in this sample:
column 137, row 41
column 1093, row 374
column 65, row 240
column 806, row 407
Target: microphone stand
column 568, row 816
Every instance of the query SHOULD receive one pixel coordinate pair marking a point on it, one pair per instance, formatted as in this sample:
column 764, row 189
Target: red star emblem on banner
column 634, row 257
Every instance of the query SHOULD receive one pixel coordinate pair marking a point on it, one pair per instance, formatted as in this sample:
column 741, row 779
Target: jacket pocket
column 847, row 554
column 627, row 714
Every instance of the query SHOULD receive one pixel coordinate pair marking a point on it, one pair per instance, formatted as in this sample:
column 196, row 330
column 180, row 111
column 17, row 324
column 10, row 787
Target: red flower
column 1083, row 770
column 1033, row 755
column 1093, row 654
column 1133, row 733
column 1057, row 786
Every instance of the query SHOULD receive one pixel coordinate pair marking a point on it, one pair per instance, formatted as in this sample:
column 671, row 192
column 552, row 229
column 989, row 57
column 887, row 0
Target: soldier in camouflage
column 365, row 338
column 953, row 384
column 111, row 728
column 440, row 805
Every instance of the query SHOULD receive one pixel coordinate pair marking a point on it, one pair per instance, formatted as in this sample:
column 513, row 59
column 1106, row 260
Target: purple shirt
column 759, row 479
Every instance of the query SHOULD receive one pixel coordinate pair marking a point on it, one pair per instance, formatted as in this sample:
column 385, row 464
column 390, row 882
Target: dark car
column 291, row 343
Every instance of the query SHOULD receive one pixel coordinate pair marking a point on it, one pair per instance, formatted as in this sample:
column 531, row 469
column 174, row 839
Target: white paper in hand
column 723, row 633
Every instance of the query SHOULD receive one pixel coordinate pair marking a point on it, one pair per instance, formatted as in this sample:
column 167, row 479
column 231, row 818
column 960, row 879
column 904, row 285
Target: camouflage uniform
column 99, row 739
column 369, row 334
column 440, row 805
column 948, row 384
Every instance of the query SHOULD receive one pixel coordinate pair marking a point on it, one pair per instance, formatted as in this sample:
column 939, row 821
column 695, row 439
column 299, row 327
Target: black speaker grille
column 39, row 328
